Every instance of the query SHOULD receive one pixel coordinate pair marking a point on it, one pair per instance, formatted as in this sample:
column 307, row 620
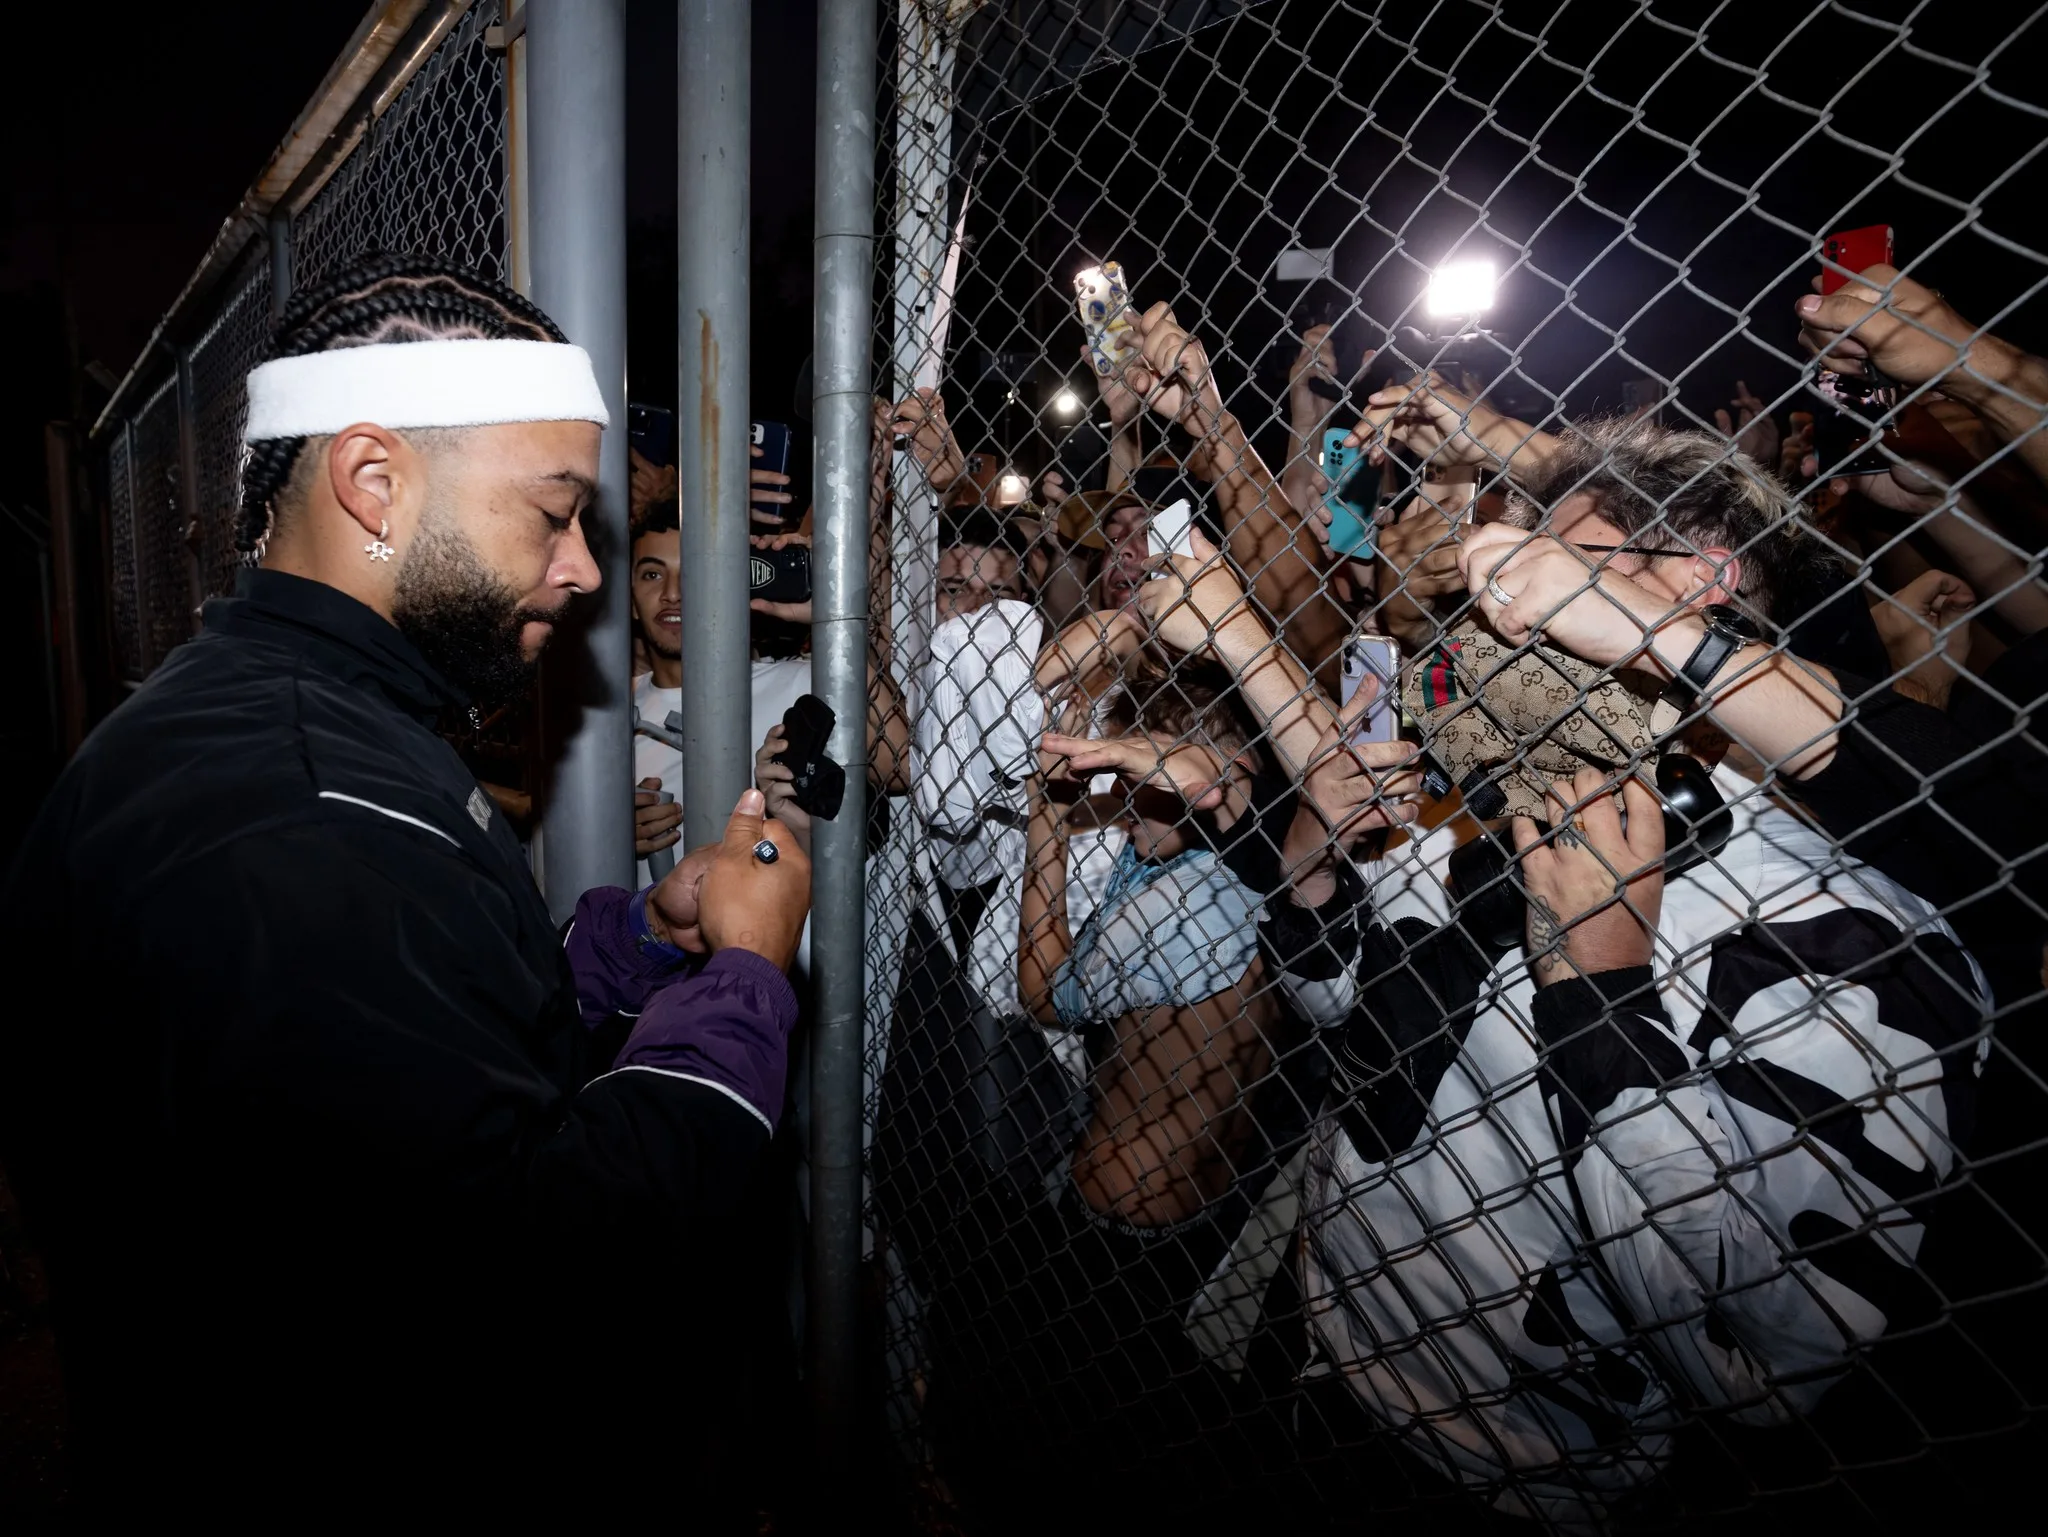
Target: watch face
column 1726, row 619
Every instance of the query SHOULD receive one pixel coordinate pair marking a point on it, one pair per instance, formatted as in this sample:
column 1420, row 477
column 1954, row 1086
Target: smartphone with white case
column 1103, row 299
column 1171, row 531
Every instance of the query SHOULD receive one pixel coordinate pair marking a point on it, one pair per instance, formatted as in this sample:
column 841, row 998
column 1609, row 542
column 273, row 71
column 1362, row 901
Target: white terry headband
column 466, row 383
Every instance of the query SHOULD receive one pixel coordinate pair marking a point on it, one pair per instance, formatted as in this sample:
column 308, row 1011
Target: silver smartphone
column 1378, row 657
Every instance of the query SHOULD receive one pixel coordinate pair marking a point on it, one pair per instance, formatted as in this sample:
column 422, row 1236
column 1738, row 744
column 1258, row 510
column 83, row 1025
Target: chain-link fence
column 1255, row 1137
column 427, row 171
column 1256, row 1133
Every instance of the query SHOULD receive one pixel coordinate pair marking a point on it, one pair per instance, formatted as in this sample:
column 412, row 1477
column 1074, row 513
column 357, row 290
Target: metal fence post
column 714, row 50
column 843, row 267
column 576, row 96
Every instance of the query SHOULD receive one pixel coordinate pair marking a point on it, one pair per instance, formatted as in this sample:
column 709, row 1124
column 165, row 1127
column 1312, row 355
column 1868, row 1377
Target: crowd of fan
column 1222, row 1115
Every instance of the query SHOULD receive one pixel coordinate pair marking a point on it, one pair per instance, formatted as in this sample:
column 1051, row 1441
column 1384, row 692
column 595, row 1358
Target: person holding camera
column 780, row 675
column 1674, row 1122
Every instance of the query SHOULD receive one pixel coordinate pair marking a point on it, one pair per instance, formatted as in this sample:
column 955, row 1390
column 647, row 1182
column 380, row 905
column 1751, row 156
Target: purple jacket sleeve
column 727, row 1027
column 618, row 964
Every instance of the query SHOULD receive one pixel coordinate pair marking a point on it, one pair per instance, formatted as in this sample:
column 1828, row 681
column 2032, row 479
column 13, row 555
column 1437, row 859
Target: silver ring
column 1498, row 593
column 767, row 852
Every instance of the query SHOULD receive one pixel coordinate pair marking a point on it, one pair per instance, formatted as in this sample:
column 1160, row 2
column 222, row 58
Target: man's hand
column 767, row 494
column 1171, row 374
column 1124, row 406
column 1906, row 329
column 1592, row 611
column 672, row 911
column 1420, row 547
column 1576, row 924
column 1753, row 428
column 1909, row 623
column 1430, row 420
column 651, row 482
column 777, row 781
column 655, row 826
column 1352, row 789
column 746, row 904
column 1316, row 360
column 1142, row 761
column 1796, row 450
column 920, row 419
column 795, row 613
column 1196, row 600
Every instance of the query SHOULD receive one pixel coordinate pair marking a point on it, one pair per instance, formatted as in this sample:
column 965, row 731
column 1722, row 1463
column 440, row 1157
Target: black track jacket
column 343, row 1209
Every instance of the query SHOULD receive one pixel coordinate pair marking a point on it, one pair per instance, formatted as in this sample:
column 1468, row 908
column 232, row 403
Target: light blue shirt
column 1174, row 933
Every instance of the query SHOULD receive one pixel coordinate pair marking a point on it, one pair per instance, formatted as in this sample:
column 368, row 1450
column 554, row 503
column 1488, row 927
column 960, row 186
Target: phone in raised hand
column 1850, row 430
column 1377, row 657
column 1103, row 299
column 1172, row 530
column 1851, row 251
column 1354, row 495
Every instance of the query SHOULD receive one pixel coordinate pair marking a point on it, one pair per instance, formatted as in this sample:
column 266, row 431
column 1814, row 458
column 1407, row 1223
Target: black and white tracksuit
column 1538, row 1225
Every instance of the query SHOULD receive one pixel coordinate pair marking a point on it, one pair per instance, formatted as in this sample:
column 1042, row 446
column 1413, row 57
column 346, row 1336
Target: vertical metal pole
column 279, row 231
column 576, row 101
column 843, row 271
column 714, row 47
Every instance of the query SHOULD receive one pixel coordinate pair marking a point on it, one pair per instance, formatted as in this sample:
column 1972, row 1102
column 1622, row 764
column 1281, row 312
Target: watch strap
column 1707, row 659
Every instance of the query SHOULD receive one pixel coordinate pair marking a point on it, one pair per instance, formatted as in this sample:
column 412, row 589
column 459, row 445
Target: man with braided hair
column 357, row 1180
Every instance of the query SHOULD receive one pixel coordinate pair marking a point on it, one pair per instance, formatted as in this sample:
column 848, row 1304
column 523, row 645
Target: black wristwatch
column 1728, row 631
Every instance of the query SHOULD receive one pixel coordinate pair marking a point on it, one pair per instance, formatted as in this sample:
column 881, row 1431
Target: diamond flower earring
column 377, row 549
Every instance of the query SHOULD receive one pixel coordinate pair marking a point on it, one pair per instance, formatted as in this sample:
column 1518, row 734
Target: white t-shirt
column 777, row 685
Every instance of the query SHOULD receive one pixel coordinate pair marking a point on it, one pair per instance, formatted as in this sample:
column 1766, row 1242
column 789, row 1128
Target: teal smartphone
column 1353, row 497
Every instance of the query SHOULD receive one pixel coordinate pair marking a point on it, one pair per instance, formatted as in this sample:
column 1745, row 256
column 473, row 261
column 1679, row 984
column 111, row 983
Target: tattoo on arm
column 1546, row 940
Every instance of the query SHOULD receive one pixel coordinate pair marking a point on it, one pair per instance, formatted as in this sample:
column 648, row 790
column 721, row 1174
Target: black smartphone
column 652, row 432
column 1083, row 458
column 820, row 783
column 780, row 576
column 772, row 438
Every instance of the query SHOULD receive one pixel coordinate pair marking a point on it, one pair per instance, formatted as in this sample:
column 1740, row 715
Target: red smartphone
column 1858, row 250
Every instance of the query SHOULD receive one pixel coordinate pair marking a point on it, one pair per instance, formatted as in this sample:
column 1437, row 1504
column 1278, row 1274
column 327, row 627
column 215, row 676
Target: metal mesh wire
column 121, row 563
column 163, row 563
column 428, row 175
column 1212, row 1178
column 221, row 360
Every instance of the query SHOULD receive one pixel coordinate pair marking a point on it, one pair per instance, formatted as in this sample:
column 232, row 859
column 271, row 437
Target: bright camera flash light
column 1011, row 489
column 1460, row 288
column 1066, row 403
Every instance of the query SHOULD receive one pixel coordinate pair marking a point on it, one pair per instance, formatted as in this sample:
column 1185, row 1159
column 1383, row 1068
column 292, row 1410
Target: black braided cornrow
column 385, row 297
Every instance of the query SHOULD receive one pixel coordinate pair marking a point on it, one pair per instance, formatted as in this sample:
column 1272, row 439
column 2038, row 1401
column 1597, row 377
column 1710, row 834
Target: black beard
column 465, row 621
